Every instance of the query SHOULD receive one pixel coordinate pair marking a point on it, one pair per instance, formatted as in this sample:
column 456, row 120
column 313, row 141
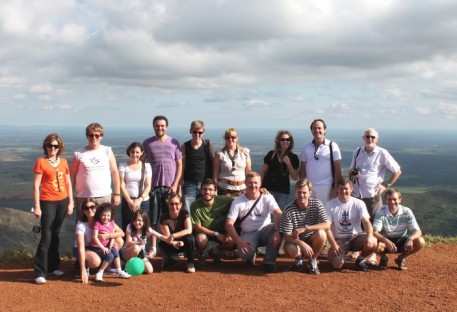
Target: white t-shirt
column 82, row 228
column 319, row 171
column 347, row 217
column 139, row 236
column 132, row 178
column 94, row 174
column 259, row 217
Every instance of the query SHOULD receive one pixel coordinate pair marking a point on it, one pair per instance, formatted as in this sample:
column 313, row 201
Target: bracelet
column 115, row 194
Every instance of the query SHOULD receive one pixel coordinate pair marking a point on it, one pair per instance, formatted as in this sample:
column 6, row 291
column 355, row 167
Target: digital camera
column 36, row 229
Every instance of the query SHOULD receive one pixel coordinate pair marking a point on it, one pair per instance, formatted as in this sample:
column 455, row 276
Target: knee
column 320, row 236
column 201, row 240
column 292, row 250
column 188, row 239
column 419, row 243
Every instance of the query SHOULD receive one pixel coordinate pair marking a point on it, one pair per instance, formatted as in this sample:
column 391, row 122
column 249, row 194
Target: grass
column 25, row 254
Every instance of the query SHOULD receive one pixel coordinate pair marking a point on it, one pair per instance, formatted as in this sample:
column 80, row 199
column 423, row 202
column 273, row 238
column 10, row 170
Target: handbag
column 238, row 221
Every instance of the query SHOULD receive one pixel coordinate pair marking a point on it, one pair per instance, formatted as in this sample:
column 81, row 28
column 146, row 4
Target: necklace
column 53, row 162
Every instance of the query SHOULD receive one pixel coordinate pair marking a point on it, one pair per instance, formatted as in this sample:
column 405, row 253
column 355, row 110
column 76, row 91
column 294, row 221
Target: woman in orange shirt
column 53, row 198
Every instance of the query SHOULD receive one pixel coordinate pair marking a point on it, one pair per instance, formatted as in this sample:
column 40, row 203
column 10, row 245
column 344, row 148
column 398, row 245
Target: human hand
column 335, row 250
column 306, row 249
column 409, row 245
column 116, row 200
column 70, row 209
column 103, row 236
column 244, row 246
column 106, row 251
column 286, row 160
column 37, row 212
column 390, row 246
column 296, row 233
column 264, row 191
column 84, row 276
column 276, row 238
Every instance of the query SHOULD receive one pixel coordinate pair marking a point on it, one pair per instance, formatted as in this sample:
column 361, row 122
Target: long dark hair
column 146, row 222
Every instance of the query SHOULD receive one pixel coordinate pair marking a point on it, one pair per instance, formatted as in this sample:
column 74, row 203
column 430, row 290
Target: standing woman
column 176, row 227
column 231, row 165
column 93, row 169
column 278, row 166
column 53, row 198
column 135, row 177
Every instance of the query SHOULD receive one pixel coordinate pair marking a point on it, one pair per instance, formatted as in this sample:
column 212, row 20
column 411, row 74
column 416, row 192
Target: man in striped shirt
column 397, row 230
column 304, row 224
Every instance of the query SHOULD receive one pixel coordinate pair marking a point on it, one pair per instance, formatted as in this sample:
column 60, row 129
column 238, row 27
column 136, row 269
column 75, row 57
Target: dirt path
column 428, row 285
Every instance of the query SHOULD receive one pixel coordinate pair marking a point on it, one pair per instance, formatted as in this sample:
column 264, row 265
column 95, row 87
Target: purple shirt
column 162, row 157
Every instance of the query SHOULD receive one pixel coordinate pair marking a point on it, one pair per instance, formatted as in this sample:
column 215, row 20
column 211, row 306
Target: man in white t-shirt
column 256, row 227
column 347, row 214
column 321, row 162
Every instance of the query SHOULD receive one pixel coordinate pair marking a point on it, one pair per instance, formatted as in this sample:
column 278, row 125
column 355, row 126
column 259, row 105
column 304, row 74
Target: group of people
column 187, row 199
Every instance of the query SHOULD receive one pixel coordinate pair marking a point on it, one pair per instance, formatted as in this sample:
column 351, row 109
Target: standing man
column 197, row 160
column 208, row 217
column 397, row 231
column 367, row 170
column 304, row 224
column 255, row 210
column 347, row 214
column 165, row 157
column 321, row 163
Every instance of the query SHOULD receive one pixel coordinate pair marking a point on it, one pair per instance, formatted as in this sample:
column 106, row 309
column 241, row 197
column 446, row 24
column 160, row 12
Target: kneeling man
column 347, row 214
column 304, row 224
column 208, row 217
column 397, row 231
column 255, row 209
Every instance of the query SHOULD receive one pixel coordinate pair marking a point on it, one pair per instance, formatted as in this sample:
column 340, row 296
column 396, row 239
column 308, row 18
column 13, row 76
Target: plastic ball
column 135, row 266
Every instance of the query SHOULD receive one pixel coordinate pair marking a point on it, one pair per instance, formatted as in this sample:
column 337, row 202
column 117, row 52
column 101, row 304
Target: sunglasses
column 56, row 146
column 94, row 135
column 370, row 137
column 285, row 139
column 197, row 132
column 231, row 137
column 91, row 207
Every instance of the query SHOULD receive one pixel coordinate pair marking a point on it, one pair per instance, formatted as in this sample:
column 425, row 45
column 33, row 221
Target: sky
column 243, row 64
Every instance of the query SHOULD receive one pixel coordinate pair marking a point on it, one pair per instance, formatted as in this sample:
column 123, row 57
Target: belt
column 234, row 183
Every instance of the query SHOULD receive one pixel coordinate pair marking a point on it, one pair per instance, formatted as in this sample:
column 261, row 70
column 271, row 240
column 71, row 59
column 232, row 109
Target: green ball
column 135, row 266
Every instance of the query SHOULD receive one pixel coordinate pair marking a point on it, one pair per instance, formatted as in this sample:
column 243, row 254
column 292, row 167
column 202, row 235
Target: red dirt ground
column 429, row 284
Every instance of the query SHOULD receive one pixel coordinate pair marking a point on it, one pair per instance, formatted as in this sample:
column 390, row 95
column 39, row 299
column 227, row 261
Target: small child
column 108, row 253
column 138, row 231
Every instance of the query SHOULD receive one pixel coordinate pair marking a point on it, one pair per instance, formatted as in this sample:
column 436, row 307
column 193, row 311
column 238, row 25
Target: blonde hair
column 197, row 124
column 227, row 134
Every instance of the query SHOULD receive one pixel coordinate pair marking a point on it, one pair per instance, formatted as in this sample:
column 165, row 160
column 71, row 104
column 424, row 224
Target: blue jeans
column 282, row 199
column 47, row 258
column 157, row 204
column 190, row 192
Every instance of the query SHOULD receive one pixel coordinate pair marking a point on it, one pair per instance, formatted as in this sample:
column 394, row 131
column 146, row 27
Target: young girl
column 104, row 224
column 138, row 232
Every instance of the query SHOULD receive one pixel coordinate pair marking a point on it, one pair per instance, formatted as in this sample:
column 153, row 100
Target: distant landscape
column 428, row 182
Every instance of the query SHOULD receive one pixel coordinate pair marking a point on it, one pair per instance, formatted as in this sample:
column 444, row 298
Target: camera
column 355, row 172
column 36, row 229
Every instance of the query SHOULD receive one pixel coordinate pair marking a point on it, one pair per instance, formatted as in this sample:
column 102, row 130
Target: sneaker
column 353, row 255
column 190, row 268
column 270, row 268
column 180, row 255
column 123, row 274
column 262, row 250
column 111, row 269
column 298, row 265
column 201, row 261
column 383, row 263
column 40, row 280
column 215, row 255
column 361, row 265
column 251, row 262
column 312, row 267
column 57, row 273
column 371, row 259
column 400, row 261
column 99, row 277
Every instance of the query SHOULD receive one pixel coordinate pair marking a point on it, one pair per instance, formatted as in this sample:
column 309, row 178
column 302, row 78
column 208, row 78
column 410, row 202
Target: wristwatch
column 386, row 184
column 216, row 233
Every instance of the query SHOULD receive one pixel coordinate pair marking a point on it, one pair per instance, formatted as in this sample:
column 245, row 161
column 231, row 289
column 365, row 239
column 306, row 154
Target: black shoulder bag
column 239, row 221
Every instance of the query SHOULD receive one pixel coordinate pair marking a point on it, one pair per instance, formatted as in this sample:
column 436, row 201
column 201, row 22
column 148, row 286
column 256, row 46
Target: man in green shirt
column 208, row 217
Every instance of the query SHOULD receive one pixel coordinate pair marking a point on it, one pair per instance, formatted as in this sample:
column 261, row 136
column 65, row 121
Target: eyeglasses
column 198, row 132
column 370, row 137
column 91, row 207
column 285, row 139
column 231, row 137
column 94, row 135
column 56, row 146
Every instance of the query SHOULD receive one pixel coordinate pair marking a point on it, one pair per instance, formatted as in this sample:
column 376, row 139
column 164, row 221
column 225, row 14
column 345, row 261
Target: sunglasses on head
column 94, row 135
column 56, row 146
